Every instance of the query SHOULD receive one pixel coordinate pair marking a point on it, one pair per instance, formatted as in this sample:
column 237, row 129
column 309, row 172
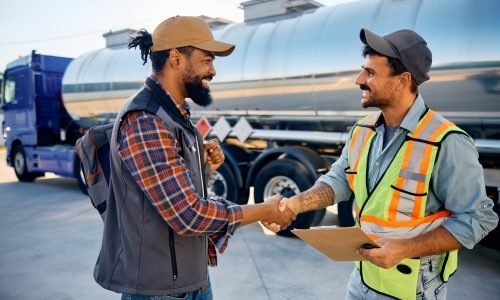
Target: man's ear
column 405, row 79
column 174, row 58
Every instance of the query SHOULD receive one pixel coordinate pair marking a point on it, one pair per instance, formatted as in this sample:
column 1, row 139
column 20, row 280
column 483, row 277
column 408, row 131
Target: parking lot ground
column 50, row 237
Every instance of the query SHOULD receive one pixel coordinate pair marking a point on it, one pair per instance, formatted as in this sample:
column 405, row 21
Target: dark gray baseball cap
column 407, row 46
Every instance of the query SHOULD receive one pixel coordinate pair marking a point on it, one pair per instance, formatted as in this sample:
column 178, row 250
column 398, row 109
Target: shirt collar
column 185, row 105
column 412, row 118
column 410, row 121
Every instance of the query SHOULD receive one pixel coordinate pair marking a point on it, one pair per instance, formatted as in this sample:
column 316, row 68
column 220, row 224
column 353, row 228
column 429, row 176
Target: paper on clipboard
column 338, row 243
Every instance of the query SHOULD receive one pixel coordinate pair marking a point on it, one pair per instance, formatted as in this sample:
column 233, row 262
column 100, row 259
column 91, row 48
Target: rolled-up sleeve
column 336, row 178
column 458, row 182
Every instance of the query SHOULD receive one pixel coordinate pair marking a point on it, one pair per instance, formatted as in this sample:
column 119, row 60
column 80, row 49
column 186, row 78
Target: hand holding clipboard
column 338, row 243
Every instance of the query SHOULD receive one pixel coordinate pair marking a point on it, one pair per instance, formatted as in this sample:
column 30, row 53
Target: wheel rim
column 281, row 185
column 19, row 163
column 82, row 176
column 217, row 186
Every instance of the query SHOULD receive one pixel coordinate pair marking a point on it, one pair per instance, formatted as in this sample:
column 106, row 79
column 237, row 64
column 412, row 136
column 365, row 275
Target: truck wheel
column 222, row 184
column 287, row 177
column 346, row 212
column 20, row 165
column 80, row 176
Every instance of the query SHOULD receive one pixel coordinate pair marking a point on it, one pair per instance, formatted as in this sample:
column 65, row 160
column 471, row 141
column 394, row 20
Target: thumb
column 213, row 143
column 283, row 204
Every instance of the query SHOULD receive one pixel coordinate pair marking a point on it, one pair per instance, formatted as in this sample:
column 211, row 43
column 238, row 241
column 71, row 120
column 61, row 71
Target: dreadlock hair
column 144, row 40
column 395, row 65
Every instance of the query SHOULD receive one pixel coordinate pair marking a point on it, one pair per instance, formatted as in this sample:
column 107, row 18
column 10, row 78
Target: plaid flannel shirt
column 151, row 154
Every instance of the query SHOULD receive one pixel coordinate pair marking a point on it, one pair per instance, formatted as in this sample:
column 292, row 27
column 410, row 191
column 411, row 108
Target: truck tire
column 222, row 184
column 80, row 176
column 346, row 213
column 287, row 177
column 20, row 165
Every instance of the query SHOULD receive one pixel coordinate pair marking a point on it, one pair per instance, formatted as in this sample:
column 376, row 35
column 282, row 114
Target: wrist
column 269, row 211
column 294, row 205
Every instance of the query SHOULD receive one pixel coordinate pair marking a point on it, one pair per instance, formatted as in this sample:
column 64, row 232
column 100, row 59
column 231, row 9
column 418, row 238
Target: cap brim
column 377, row 43
column 216, row 47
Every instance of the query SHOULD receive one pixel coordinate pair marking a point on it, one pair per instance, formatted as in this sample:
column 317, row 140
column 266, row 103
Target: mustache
column 209, row 77
column 364, row 87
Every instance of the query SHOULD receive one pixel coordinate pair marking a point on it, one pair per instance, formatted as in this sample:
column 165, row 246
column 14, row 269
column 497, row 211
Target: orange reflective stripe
column 350, row 178
column 354, row 137
column 357, row 129
column 424, row 167
column 367, row 137
column 427, row 118
column 372, row 122
column 395, row 199
column 408, row 223
column 393, row 208
column 440, row 130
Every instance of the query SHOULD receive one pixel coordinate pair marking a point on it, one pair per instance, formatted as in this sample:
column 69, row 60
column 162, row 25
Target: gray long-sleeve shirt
column 457, row 182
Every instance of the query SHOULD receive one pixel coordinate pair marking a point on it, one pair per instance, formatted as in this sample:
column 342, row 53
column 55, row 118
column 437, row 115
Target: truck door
column 18, row 107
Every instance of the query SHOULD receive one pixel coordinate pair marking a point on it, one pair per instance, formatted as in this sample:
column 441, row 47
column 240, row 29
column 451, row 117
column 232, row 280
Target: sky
column 73, row 27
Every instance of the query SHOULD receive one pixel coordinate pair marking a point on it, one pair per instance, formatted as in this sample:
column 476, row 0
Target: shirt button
column 377, row 163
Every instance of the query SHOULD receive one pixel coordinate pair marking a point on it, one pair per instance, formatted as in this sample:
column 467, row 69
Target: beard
column 372, row 99
column 197, row 92
column 195, row 88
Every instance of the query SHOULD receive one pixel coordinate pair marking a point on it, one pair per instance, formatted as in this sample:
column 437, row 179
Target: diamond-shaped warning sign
column 203, row 126
column 221, row 129
column 242, row 129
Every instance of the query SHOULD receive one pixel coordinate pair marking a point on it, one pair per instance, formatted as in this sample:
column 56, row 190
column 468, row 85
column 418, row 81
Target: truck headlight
column 5, row 132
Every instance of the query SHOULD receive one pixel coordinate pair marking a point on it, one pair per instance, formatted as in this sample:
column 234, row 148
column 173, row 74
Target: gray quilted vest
column 140, row 253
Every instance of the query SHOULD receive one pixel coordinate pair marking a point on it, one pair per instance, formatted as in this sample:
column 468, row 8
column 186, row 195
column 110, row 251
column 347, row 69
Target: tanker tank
column 305, row 65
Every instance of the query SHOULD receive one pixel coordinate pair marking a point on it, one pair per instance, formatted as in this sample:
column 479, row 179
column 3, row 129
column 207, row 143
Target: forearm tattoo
column 317, row 197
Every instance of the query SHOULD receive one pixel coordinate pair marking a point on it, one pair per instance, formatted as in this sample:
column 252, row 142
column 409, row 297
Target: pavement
column 50, row 237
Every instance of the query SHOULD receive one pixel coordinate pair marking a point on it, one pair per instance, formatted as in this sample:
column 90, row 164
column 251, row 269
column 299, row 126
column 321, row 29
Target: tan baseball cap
column 180, row 31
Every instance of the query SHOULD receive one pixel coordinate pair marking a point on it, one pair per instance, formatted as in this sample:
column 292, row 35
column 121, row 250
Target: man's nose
column 360, row 78
column 212, row 70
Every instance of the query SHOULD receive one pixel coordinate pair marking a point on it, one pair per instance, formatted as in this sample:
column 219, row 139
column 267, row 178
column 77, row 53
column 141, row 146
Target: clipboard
column 338, row 243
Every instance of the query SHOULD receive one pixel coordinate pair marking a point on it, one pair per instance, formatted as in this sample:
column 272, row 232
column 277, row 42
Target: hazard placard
column 203, row 126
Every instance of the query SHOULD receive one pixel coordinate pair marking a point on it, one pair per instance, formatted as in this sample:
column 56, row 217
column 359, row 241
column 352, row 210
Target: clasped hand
column 284, row 215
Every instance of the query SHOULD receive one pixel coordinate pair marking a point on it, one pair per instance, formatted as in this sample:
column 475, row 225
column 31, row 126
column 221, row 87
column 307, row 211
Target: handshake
column 282, row 213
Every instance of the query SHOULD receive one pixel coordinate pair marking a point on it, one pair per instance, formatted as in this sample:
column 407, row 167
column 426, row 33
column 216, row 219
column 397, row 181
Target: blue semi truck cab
column 39, row 133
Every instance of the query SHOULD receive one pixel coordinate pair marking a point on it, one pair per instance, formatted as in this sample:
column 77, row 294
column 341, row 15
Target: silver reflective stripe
column 412, row 175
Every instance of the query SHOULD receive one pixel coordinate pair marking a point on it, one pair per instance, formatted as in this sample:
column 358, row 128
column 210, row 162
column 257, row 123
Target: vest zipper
column 199, row 164
column 172, row 253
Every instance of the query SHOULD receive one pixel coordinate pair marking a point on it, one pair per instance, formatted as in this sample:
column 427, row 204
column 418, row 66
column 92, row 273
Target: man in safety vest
column 416, row 179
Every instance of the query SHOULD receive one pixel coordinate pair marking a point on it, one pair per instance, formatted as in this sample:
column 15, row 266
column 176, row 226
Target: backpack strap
column 93, row 150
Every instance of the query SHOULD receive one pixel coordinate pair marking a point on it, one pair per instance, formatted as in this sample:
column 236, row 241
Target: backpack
column 93, row 150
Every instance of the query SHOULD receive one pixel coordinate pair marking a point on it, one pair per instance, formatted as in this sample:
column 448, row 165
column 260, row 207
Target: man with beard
column 415, row 177
column 160, row 229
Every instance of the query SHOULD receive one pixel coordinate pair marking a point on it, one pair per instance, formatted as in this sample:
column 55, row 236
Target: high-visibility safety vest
column 395, row 208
